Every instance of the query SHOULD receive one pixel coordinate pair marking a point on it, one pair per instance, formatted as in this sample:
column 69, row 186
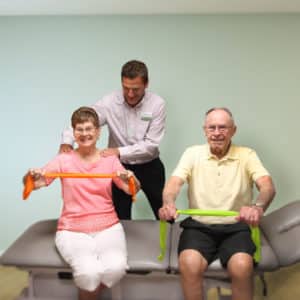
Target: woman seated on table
column 89, row 235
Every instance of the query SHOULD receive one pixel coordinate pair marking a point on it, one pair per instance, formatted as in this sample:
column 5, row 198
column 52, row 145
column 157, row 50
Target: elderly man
column 136, row 123
column 220, row 175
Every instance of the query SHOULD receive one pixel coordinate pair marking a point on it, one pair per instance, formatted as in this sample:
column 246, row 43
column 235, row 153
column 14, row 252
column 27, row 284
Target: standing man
column 220, row 175
column 136, row 123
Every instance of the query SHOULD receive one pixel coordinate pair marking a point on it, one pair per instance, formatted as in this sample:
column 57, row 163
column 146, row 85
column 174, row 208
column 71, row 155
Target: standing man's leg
column 152, row 178
column 122, row 203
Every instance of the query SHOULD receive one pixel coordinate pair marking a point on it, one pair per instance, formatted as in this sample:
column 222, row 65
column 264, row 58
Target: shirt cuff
column 122, row 151
column 68, row 141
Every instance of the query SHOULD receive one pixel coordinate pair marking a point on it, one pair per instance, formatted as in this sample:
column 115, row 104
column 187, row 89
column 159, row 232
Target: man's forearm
column 266, row 193
column 265, row 198
column 169, row 197
column 140, row 150
column 171, row 190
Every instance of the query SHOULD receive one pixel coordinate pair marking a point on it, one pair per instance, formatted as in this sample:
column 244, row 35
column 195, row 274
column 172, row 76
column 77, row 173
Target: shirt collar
column 121, row 99
column 230, row 155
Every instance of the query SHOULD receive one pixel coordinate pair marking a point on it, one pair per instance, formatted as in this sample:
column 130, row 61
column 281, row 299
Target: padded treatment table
column 50, row 277
column 147, row 278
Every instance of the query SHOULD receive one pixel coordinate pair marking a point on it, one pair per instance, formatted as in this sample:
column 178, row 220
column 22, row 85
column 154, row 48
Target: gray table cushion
column 143, row 245
column 35, row 248
column 268, row 262
column 282, row 229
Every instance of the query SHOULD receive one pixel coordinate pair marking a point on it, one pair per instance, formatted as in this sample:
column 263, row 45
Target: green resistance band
column 255, row 233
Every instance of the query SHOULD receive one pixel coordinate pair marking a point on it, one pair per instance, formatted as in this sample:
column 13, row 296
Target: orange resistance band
column 29, row 182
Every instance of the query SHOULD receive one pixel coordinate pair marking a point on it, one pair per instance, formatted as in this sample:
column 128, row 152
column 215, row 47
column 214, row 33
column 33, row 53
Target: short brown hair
column 85, row 114
column 135, row 68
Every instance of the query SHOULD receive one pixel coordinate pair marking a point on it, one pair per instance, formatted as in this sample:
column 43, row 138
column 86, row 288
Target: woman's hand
column 37, row 176
column 125, row 175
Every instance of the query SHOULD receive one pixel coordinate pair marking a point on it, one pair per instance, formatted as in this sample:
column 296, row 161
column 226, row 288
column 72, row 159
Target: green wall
column 51, row 65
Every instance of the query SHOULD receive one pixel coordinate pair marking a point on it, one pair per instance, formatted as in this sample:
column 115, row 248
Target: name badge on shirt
column 130, row 132
column 146, row 116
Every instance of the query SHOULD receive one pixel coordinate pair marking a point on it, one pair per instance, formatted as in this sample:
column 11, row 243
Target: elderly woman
column 89, row 235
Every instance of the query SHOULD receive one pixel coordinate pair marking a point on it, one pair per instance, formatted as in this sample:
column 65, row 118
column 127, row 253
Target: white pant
column 95, row 258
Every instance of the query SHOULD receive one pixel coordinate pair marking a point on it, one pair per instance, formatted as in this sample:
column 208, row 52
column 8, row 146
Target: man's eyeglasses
column 221, row 128
column 87, row 130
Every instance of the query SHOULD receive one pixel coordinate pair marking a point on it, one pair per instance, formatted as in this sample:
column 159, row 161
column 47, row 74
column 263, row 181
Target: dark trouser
column 152, row 178
column 216, row 240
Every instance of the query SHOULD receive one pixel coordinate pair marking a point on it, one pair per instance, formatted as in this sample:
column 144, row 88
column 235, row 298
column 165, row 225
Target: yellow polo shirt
column 225, row 184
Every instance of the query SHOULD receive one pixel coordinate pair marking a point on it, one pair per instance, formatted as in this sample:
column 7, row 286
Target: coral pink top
column 87, row 202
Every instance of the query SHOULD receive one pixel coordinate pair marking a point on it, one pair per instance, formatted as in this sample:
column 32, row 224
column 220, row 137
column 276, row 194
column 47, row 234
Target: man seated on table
column 220, row 175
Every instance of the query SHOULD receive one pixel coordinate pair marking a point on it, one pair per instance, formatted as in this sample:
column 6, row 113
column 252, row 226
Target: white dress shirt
column 135, row 131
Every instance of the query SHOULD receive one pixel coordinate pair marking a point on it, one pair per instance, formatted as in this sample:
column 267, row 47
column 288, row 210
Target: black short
column 217, row 240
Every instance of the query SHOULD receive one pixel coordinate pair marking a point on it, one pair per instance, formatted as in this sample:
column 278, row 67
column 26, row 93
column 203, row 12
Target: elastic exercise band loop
column 162, row 239
column 29, row 182
column 255, row 233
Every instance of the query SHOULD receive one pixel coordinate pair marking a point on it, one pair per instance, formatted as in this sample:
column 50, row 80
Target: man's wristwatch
column 259, row 204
